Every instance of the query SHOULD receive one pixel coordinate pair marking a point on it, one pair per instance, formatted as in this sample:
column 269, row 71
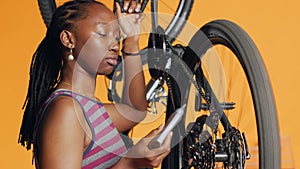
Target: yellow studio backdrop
column 274, row 26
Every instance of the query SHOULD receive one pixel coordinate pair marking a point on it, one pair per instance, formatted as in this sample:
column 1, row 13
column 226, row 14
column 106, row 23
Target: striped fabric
column 106, row 146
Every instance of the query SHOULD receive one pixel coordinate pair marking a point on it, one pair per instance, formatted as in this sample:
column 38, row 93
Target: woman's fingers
column 153, row 157
column 131, row 6
column 118, row 9
column 164, row 149
column 137, row 7
column 167, row 145
column 126, row 5
column 157, row 155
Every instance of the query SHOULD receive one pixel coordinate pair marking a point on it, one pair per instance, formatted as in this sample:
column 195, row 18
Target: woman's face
column 96, row 41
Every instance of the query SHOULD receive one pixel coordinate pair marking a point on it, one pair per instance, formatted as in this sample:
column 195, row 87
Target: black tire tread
column 174, row 31
column 47, row 8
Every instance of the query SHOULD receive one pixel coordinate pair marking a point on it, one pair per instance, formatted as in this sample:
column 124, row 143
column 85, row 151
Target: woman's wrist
column 130, row 47
column 131, row 39
column 125, row 53
column 131, row 44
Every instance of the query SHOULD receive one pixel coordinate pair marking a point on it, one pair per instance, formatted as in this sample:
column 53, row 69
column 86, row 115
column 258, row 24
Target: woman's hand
column 141, row 156
column 130, row 22
column 134, row 90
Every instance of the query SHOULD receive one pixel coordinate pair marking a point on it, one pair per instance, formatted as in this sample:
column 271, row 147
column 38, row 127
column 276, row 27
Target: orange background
column 273, row 25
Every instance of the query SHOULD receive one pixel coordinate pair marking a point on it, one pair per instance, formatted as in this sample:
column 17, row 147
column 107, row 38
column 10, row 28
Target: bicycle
column 216, row 137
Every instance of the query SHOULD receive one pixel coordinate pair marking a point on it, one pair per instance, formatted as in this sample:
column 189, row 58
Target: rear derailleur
column 202, row 149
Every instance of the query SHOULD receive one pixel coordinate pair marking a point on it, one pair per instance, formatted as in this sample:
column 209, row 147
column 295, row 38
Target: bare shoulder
column 61, row 136
column 63, row 108
column 63, row 114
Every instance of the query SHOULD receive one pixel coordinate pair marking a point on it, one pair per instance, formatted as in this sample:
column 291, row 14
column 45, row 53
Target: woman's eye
column 102, row 34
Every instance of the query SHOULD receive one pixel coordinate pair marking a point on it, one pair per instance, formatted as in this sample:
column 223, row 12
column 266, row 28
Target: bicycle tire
column 228, row 34
column 178, row 21
column 47, row 8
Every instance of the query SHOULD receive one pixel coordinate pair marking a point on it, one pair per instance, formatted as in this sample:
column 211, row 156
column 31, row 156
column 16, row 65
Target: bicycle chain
column 202, row 155
column 190, row 75
column 206, row 149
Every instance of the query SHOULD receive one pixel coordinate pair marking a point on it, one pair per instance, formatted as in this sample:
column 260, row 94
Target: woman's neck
column 78, row 81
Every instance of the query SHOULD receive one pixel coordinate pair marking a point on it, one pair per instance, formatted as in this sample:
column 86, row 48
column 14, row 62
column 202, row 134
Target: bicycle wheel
column 233, row 72
column 179, row 9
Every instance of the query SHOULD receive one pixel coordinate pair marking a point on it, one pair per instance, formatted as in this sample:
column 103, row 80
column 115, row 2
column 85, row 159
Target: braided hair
column 46, row 64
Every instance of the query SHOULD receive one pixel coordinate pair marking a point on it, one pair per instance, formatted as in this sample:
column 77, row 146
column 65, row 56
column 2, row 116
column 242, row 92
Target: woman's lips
column 112, row 61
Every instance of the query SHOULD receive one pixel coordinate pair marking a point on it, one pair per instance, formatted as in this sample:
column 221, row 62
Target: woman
column 67, row 126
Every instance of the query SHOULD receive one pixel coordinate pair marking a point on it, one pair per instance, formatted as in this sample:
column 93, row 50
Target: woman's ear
column 67, row 39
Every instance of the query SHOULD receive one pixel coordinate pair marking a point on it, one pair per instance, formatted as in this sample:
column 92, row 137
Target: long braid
column 46, row 65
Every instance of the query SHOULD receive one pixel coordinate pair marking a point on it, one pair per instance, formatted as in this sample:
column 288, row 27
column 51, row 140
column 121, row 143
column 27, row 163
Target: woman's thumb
column 118, row 9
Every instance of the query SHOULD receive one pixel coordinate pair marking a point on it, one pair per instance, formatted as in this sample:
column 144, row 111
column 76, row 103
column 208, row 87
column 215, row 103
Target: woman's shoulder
column 65, row 104
column 62, row 107
column 61, row 129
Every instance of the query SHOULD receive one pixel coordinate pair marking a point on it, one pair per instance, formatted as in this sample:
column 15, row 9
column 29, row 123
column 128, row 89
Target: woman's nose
column 115, row 45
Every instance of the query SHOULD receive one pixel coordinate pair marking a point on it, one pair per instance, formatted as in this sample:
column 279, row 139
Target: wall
column 272, row 24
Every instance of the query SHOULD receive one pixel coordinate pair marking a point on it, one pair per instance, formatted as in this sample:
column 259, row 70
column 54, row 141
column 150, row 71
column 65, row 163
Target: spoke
column 168, row 6
column 242, row 109
column 230, row 68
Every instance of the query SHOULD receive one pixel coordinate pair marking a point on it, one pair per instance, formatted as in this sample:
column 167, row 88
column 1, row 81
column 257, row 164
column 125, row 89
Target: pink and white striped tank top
column 107, row 145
